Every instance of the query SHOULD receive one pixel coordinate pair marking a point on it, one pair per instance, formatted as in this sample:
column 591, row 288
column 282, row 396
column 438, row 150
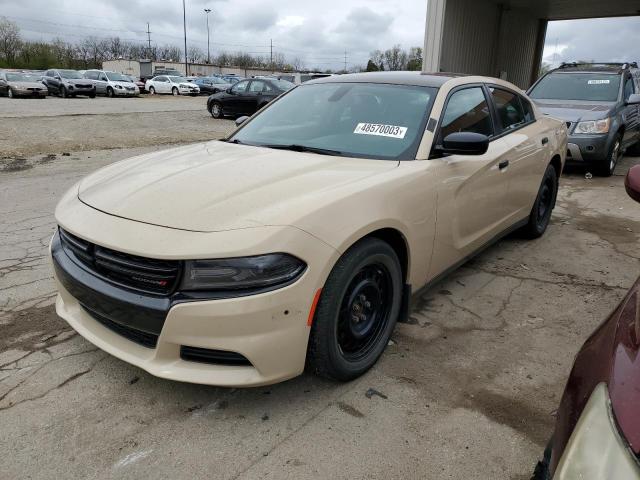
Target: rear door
column 530, row 146
column 473, row 190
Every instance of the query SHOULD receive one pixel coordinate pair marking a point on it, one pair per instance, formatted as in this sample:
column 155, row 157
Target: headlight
column 183, row 86
column 594, row 126
column 241, row 273
column 119, row 87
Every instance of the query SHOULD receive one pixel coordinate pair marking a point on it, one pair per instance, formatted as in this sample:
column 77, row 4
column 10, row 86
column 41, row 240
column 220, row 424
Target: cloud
column 258, row 20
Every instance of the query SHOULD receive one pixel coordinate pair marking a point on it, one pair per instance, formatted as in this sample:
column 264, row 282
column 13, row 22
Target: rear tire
column 543, row 206
column 608, row 167
column 357, row 311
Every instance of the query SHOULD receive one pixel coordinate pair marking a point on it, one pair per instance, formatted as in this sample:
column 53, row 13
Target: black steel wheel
column 545, row 201
column 357, row 311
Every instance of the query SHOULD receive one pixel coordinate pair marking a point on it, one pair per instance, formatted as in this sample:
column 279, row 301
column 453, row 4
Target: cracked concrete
column 471, row 381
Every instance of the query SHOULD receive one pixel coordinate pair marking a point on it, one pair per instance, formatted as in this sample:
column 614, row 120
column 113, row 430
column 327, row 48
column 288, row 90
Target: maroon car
column 597, row 433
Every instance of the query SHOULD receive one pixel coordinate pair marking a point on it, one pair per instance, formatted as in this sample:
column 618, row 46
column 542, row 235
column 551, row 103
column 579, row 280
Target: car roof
column 613, row 68
column 400, row 78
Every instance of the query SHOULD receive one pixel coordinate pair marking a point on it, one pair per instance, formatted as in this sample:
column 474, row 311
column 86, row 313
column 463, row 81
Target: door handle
column 545, row 140
column 504, row 164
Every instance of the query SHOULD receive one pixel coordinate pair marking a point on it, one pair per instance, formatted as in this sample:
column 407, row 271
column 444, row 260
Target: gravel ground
column 56, row 125
column 467, row 388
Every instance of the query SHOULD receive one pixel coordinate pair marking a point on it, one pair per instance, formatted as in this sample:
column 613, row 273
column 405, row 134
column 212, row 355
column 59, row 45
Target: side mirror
column 465, row 143
column 632, row 183
column 241, row 120
column 634, row 99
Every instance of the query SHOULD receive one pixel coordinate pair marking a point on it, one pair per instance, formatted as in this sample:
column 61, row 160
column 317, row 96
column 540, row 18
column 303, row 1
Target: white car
column 171, row 84
column 112, row 84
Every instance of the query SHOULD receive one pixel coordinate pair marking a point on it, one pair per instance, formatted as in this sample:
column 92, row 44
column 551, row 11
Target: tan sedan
column 300, row 239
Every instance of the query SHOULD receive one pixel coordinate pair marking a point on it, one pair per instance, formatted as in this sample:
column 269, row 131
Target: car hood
column 79, row 81
column 26, row 85
column 575, row 111
column 220, row 186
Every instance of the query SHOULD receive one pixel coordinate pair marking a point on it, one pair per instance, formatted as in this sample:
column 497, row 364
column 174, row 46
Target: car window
column 508, row 107
column 160, row 79
column 467, row 111
column 103, row 78
column 529, row 116
column 90, row 75
column 628, row 88
column 365, row 120
column 256, row 87
column 240, row 87
column 596, row 87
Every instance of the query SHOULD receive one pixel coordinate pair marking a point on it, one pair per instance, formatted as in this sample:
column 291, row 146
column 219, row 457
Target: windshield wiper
column 303, row 148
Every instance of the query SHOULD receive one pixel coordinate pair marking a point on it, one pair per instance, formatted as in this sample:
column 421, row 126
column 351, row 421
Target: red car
column 597, row 433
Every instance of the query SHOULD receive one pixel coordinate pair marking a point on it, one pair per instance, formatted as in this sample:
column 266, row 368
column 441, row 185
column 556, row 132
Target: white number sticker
column 380, row 130
column 598, row 82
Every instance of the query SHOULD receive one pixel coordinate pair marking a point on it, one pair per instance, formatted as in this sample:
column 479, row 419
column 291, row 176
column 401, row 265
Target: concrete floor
column 468, row 387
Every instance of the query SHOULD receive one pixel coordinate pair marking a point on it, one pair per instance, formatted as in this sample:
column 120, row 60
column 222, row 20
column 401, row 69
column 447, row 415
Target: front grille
column 145, row 339
column 216, row 357
column 79, row 85
column 139, row 273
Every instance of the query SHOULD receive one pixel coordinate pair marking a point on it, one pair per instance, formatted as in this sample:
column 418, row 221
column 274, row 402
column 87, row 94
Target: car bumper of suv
column 233, row 341
column 596, row 450
column 587, row 149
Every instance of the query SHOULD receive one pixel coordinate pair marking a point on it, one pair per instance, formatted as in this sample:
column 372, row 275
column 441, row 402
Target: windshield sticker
column 598, row 82
column 380, row 130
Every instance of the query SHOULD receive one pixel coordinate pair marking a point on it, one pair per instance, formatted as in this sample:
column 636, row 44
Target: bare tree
column 196, row 55
column 9, row 40
column 395, row 58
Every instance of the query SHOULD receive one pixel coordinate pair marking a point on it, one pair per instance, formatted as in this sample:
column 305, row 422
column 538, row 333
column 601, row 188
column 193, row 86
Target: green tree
column 371, row 66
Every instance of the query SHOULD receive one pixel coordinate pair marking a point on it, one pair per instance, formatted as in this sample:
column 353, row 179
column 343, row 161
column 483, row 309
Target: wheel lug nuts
column 355, row 318
column 363, row 317
column 367, row 304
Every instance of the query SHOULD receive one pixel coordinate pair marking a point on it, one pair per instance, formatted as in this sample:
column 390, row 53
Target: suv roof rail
column 622, row 65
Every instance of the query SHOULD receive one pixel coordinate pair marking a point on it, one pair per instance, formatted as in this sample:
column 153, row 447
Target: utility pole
column 271, row 56
column 208, row 11
column 345, row 61
column 149, row 41
column 184, row 24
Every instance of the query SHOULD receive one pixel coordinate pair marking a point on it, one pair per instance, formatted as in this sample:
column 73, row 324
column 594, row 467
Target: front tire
column 10, row 93
column 606, row 168
column 110, row 92
column 357, row 311
column 63, row 92
column 152, row 91
column 543, row 206
column 216, row 110
column 175, row 92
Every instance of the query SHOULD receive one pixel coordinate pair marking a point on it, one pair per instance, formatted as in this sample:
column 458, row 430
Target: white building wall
column 132, row 67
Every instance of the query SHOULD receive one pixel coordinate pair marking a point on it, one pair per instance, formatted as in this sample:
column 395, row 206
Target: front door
column 472, row 190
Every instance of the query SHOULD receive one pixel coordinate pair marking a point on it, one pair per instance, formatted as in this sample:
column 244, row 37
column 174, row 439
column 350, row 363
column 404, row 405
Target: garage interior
column 502, row 39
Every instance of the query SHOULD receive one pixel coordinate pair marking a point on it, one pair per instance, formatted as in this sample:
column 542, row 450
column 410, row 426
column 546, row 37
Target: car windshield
column 22, row 77
column 177, row 79
column 117, row 77
column 597, row 87
column 366, row 120
column 70, row 74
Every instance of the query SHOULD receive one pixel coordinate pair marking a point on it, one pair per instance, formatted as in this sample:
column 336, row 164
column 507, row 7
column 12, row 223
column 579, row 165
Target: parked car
column 139, row 83
column 171, row 84
column 211, row 85
column 163, row 71
column 68, row 83
column 601, row 105
column 15, row 84
column 112, row 84
column 232, row 78
column 301, row 237
column 246, row 97
column 299, row 78
column 597, row 433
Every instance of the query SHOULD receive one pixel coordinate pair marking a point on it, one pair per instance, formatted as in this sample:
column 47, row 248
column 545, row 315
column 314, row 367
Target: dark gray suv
column 68, row 83
column 600, row 104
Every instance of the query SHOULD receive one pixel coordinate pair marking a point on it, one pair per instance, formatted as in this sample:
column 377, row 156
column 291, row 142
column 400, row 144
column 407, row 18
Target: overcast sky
column 317, row 31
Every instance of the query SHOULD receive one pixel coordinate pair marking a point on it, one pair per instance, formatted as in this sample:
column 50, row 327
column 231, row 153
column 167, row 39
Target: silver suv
column 112, row 84
column 68, row 83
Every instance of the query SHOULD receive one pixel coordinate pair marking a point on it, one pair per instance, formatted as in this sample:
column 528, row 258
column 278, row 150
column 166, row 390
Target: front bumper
column 189, row 91
column 596, row 450
column 587, row 149
column 125, row 93
column 30, row 93
column 268, row 329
